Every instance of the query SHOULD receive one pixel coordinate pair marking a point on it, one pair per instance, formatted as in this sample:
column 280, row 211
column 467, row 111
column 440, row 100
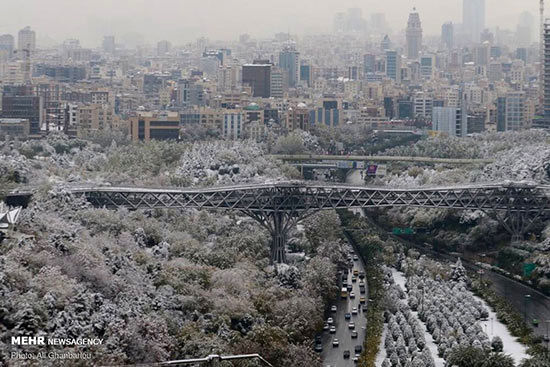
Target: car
column 350, row 287
column 318, row 347
column 330, row 321
column 358, row 349
column 362, row 300
column 351, row 325
column 355, row 359
column 353, row 279
column 332, row 330
column 355, row 257
column 354, row 310
column 318, row 339
column 362, row 275
column 355, row 272
column 335, row 342
column 345, row 283
column 326, row 327
column 334, row 309
column 346, row 354
column 354, row 334
column 347, row 316
column 352, row 294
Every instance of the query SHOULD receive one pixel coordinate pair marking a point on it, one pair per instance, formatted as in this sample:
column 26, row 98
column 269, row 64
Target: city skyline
column 137, row 22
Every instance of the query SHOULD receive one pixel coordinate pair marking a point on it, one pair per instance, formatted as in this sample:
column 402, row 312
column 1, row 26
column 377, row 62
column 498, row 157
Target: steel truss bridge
column 279, row 206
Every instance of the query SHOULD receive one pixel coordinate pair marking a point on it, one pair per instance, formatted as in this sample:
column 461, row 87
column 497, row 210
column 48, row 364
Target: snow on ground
column 400, row 280
column 493, row 327
column 382, row 349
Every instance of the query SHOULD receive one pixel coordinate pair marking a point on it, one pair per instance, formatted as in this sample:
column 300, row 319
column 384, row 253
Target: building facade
column 414, row 35
column 26, row 40
column 450, row 120
column 147, row 126
column 473, row 19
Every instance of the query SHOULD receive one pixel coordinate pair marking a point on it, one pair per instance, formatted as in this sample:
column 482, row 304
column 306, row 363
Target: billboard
column 376, row 170
column 350, row 164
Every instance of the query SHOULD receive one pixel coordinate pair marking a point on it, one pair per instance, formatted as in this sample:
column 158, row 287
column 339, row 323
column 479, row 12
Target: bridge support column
column 279, row 234
column 279, row 224
column 517, row 223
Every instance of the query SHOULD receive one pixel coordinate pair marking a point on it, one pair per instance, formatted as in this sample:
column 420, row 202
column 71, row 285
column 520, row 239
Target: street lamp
column 526, row 298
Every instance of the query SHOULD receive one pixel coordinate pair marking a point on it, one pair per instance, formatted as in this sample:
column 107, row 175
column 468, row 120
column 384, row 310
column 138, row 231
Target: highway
column 333, row 356
column 536, row 306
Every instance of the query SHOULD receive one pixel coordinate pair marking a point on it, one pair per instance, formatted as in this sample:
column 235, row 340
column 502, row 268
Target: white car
column 334, row 308
column 351, row 325
column 332, row 330
column 335, row 342
column 352, row 295
column 330, row 321
column 354, row 311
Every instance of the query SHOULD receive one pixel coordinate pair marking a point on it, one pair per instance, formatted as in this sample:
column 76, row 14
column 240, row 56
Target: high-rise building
column 109, row 44
column 18, row 102
column 385, row 44
column 414, row 35
column 482, row 54
column 473, row 19
column 476, row 121
column 393, row 65
column 278, row 83
column 289, row 61
column 93, row 117
column 447, row 35
column 427, row 66
column 524, row 30
column 233, row 124
column 297, row 118
column 423, row 105
column 258, row 77
column 26, row 40
column 369, row 63
column 7, row 44
column 163, row 47
column 306, row 74
column 450, row 120
column 511, row 112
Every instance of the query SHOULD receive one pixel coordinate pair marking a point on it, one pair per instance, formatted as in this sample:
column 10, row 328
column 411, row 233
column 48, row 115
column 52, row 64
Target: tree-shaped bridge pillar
column 279, row 224
column 518, row 223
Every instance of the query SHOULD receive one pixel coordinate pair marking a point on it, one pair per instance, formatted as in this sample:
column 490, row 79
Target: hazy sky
column 184, row 20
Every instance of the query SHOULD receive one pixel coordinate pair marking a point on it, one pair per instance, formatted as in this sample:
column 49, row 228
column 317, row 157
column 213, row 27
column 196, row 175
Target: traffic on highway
column 343, row 336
